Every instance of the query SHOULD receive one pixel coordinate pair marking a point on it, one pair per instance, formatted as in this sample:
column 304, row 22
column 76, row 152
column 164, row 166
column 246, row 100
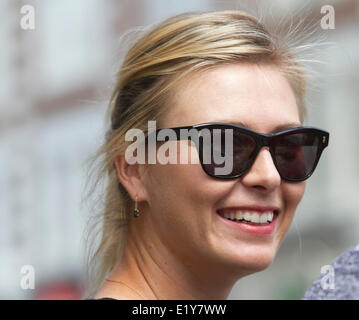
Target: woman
column 190, row 231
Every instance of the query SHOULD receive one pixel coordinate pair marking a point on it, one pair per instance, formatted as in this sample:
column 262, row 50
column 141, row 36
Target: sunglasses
column 295, row 152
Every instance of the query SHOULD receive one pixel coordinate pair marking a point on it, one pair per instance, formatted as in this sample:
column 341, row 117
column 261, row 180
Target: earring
column 136, row 213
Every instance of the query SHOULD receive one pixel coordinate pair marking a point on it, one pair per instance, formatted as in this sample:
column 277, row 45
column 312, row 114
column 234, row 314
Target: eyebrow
column 277, row 128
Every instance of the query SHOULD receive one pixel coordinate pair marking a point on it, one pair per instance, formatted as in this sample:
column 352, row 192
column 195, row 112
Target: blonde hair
column 180, row 45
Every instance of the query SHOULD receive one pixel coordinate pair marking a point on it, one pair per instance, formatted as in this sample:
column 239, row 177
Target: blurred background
column 55, row 82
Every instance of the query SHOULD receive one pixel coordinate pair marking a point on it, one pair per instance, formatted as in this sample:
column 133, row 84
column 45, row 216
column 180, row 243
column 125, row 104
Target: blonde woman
column 191, row 231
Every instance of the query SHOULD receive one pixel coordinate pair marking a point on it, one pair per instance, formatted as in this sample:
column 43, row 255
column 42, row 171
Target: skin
column 178, row 248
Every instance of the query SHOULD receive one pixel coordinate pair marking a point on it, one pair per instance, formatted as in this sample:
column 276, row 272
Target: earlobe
column 129, row 176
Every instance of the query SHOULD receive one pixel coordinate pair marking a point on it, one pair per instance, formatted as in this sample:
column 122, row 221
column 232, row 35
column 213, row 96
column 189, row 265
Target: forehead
column 257, row 95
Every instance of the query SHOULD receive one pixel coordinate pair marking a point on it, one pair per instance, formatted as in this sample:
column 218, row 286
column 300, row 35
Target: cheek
column 184, row 184
column 292, row 195
column 181, row 199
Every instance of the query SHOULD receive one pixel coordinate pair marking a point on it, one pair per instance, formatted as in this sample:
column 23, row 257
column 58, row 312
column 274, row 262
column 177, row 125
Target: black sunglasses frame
column 262, row 140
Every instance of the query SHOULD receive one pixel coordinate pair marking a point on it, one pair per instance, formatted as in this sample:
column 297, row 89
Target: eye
column 287, row 155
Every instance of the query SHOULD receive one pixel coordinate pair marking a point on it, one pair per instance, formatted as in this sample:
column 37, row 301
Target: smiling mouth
column 249, row 217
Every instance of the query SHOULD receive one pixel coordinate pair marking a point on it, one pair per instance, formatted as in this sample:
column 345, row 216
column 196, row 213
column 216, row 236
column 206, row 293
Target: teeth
column 239, row 215
column 270, row 216
column 263, row 218
column 247, row 216
column 250, row 216
column 255, row 217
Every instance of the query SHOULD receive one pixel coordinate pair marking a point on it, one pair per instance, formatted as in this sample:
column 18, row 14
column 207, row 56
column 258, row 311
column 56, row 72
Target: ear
column 131, row 178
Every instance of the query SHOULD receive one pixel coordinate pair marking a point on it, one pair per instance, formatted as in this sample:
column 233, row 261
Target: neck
column 152, row 270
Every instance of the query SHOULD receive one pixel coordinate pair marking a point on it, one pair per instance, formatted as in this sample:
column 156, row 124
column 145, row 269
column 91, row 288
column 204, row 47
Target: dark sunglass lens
column 296, row 155
column 244, row 147
column 229, row 145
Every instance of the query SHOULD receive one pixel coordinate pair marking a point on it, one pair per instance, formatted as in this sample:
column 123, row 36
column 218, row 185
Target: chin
column 246, row 263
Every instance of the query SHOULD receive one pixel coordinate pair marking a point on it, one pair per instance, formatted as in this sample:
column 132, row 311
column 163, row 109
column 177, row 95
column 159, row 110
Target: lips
column 253, row 219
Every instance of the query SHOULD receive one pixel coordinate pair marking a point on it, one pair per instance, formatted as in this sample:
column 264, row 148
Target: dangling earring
column 136, row 213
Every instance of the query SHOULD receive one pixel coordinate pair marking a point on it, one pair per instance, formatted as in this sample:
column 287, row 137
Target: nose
column 263, row 174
